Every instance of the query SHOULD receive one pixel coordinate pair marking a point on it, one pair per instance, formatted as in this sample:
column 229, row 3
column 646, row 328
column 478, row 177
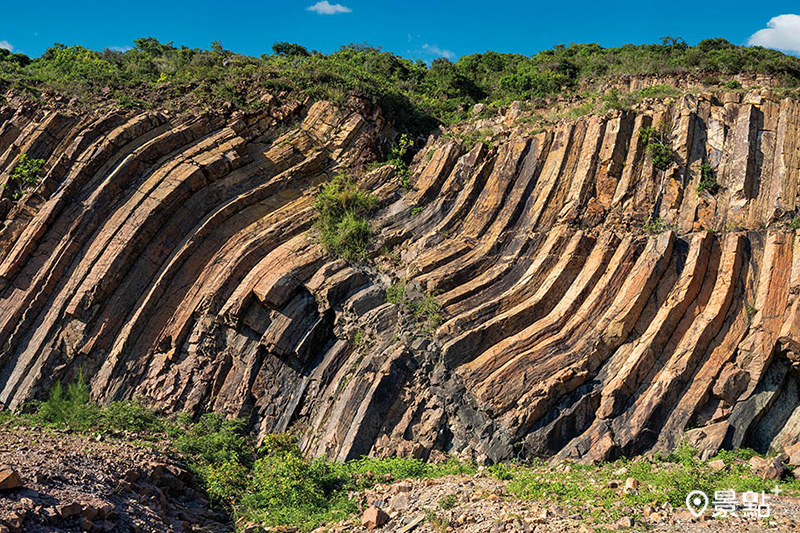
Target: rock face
column 173, row 258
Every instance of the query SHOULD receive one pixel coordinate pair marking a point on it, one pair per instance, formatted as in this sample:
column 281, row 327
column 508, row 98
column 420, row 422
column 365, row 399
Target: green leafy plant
column 25, row 175
column 69, row 408
column 660, row 91
column 732, row 84
column 341, row 225
column 130, row 416
column 795, row 223
column 655, row 225
column 708, row 181
column 399, row 157
column 655, row 142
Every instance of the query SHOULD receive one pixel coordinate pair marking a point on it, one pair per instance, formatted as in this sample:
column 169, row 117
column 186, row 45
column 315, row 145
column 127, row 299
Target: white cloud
column 435, row 50
column 782, row 33
column 6, row 45
column 325, row 8
column 120, row 48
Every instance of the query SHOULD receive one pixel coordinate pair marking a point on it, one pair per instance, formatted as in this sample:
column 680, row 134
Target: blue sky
column 414, row 29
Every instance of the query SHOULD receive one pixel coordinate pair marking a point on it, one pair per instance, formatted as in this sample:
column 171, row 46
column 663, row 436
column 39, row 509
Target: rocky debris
column 562, row 296
column 483, row 504
column 75, row 483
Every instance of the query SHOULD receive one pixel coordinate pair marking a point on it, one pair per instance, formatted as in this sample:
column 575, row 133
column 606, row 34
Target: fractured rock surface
column 172, row 257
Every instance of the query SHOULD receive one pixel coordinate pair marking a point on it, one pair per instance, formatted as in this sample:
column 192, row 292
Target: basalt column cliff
column 552, row 292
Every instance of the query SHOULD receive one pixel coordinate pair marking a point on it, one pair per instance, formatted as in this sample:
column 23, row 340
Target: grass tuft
column 341, row 225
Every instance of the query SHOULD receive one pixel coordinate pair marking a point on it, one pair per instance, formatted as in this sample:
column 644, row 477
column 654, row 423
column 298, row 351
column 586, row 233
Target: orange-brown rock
column 9, row 478
column 173, row 257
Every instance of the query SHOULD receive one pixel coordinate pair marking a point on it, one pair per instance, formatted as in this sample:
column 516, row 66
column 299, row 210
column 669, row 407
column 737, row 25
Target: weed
column 795, row 223
column 395, row 293
column 448, row 502
column 399, row 157
column 69, row 408
column 436, row 522
column 655, row 225
column 428, row 310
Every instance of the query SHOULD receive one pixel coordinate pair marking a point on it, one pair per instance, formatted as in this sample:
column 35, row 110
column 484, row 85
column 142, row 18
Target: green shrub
column 613, row 99
column 395, row 293
column 214, row 439
column 417, row 97
column 429, row 310
column 341, row 207
column 290, row 49
column 732, row 84
column 399, row 156
column 25, row 175
column 795, row 223
column 656, row 143
column 661, row 480
column 708, row 181
column 660, row 91
column 130, row 416
column 69, row 408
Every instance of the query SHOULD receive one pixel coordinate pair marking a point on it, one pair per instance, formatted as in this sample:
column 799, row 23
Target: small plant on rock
column 429, row 311
column 342, row 228
column 24, row 176
column 448, row 502
column 656, row 143
column 395, row 293
column 655, row 225
column 398, row 156
column 708, row 181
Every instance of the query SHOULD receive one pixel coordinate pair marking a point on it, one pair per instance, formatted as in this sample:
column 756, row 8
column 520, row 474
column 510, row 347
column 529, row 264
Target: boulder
column 68, row 510
column 399, row 502
column 771, row 469
column 9, row 478
column 793, row 451
column 374, row 517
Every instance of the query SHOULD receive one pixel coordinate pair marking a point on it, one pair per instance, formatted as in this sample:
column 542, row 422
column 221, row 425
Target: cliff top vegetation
column 416, row 95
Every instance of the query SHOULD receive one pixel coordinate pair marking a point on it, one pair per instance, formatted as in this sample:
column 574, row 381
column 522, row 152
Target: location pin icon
column 697, row 502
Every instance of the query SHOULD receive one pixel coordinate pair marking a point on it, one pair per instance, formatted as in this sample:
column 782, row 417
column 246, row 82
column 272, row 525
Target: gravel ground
column 483, row 504
column 75, row 483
